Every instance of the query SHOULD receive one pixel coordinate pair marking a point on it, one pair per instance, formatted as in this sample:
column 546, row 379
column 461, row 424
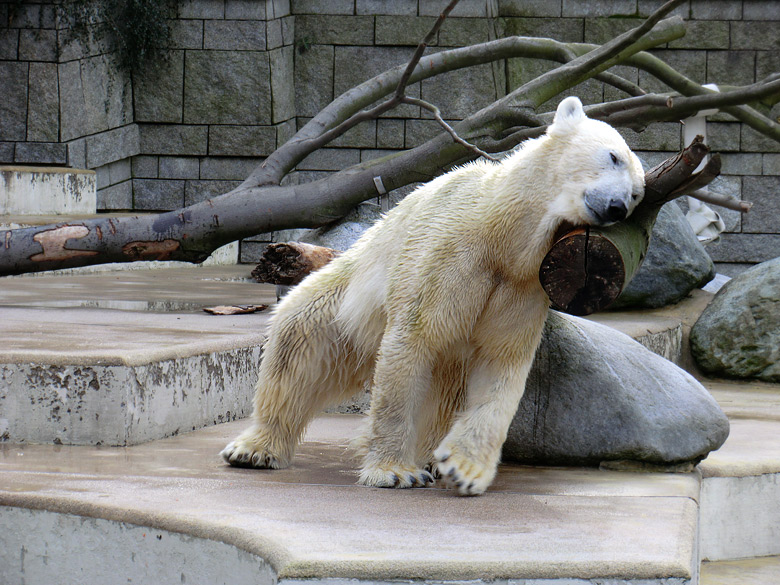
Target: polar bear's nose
column 616, row 210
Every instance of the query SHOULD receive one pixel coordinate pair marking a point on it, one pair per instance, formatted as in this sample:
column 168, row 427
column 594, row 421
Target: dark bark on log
column 587, row 268
column 289, row 263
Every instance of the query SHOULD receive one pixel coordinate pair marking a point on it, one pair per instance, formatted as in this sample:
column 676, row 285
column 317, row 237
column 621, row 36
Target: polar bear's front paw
column 242, row 454
column 469, row 477
column 394, row 476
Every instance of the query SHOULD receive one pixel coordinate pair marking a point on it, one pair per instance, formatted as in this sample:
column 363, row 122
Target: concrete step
column 312, row 522
column 46, row 190
column 86, row 361
column 740, row 497
column 162, row 507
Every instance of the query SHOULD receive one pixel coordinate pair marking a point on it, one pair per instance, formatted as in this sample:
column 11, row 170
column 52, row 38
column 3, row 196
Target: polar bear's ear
column 567, row 116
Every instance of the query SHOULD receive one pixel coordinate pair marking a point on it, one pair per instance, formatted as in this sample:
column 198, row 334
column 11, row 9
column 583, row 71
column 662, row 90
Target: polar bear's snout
column 606, row 205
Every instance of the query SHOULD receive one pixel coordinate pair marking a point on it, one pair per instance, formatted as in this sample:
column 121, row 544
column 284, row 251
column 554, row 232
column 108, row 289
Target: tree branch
column 312, row 135
column 638, row 112
column 437, row 115
column 400, row 91
column 721, row 200
column 596, row 61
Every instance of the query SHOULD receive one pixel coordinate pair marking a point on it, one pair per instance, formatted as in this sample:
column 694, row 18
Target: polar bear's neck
column 519, row 192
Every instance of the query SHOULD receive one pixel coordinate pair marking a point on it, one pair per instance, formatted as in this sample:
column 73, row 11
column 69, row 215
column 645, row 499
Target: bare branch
column 685, row 86
column 418, row 52
column 721, row 200
column 638, row 112
column 594, row 62
column 437, row 114
column 755, row 120
column 312, row 135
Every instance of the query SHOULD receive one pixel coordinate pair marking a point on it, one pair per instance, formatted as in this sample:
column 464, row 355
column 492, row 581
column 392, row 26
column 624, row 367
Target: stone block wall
column 62, row 103
column 242, row 75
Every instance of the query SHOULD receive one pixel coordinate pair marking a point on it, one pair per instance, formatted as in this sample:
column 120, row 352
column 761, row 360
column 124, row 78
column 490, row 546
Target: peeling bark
column 54, row 244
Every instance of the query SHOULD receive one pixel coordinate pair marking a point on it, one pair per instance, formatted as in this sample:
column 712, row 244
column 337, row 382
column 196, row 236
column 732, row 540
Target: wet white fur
column 440, row 306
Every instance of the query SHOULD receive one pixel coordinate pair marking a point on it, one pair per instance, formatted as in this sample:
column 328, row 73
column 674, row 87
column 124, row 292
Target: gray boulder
column 595, row 395
column 676, row 263
column 738, row 334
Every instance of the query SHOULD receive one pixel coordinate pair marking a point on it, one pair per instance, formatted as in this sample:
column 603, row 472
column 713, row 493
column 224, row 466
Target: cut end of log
column 582, row 273
column 291, row 262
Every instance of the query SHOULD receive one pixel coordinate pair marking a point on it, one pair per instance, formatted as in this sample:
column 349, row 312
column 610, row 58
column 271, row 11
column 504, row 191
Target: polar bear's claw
column 401, row 477
column 468, row 477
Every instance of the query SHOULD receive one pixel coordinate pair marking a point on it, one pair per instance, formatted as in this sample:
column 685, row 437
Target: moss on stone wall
column 137, row 29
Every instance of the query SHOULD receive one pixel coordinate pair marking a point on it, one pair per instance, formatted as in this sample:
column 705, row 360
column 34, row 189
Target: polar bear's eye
column 614, row 158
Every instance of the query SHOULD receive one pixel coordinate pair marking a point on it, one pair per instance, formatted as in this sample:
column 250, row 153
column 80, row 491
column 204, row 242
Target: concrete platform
column 122, row 357
column 312, row 522
column 170, row 511
column 162, row 505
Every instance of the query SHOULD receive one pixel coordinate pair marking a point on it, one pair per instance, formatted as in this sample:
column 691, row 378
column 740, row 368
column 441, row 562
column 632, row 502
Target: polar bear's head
column 601, row 180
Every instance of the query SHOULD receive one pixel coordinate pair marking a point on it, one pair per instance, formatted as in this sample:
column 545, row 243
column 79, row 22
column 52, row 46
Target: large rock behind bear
column 596, row 395
column 676, row 263
column 738, row 334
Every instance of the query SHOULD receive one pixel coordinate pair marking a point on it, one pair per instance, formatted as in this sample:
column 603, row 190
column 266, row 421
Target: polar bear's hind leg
column 308, row 364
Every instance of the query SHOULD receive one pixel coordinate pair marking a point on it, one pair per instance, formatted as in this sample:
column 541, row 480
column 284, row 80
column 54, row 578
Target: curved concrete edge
column 242, row 539
column 100, row 532
column 146, row 554
column 311, row 522
column 138, row 358
column 481, row 581
column 139, row 553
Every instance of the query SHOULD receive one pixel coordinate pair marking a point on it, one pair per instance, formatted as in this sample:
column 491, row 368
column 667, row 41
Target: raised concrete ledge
column 312, row 523
column 748, row 465
column 741, row 481
column 47, row 190
column 76, row 376
column 71, row 374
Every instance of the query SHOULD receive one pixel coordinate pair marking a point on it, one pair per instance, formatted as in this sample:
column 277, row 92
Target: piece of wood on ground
column 289, row 263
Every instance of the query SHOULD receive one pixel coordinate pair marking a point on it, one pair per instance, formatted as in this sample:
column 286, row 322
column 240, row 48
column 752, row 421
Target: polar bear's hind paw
column 241, row 455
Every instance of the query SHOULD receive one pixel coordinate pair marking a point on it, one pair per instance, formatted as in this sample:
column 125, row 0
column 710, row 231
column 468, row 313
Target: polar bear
column 439, row 306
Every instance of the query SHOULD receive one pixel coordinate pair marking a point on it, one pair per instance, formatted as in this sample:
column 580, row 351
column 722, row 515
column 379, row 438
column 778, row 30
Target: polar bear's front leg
column 468, row 457
column 505, row 341
column 401, row 381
